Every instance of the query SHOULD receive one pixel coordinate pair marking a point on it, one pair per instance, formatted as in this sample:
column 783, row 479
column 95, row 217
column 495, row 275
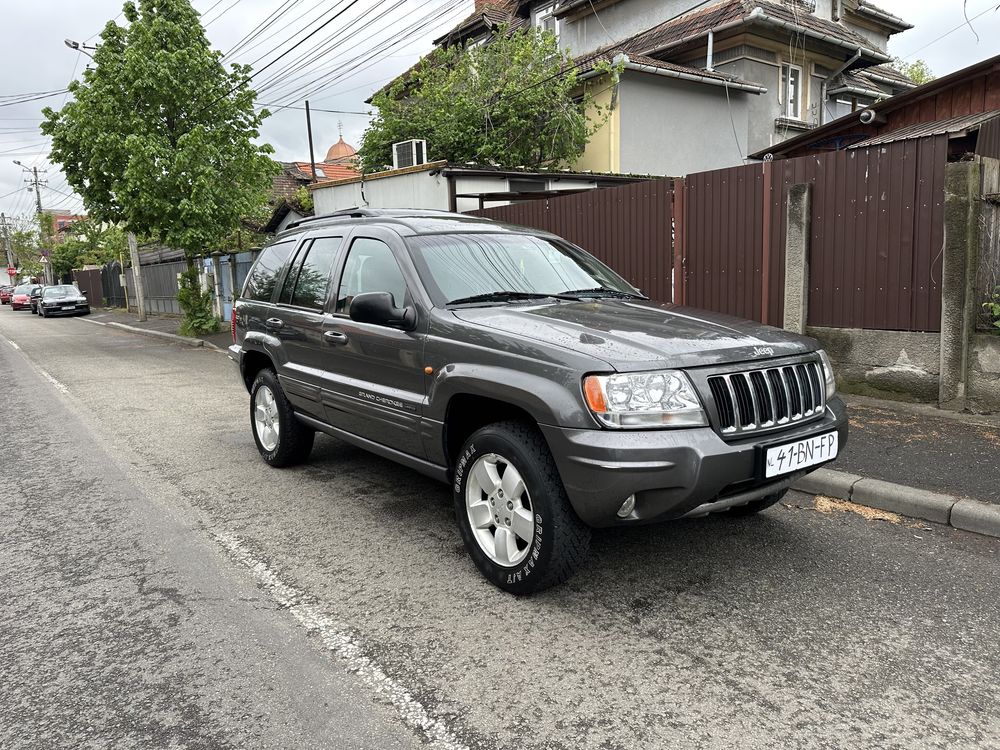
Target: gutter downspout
column 826, row 84
column 711, row 46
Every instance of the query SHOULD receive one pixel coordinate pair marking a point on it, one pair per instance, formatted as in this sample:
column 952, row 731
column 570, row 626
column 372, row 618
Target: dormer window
column 543, row 18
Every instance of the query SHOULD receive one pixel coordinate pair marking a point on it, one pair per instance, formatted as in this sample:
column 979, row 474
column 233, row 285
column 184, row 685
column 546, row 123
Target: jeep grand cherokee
column 551, row 394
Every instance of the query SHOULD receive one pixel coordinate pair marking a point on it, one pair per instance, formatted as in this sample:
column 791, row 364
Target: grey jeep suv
column 551, row 394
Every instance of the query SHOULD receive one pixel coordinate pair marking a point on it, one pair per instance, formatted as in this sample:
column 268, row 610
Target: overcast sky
column 34, row 58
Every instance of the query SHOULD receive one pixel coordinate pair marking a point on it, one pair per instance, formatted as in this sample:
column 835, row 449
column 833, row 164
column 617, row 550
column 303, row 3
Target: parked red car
column 5, row 294
column 21, row 297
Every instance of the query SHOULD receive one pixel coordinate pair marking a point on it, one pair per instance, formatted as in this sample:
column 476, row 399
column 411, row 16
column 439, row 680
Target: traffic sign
column 11, row 271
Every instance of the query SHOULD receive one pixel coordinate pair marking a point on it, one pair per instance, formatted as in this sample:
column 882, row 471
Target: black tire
column 560, row 540
column 295, row 440
column 756, row 506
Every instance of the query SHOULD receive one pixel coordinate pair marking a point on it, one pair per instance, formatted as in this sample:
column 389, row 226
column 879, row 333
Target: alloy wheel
column 499, row 510
column 265, row 418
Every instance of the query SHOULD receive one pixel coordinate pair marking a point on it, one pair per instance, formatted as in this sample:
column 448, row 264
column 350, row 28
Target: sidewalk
column 160, row 323
column 923, row 447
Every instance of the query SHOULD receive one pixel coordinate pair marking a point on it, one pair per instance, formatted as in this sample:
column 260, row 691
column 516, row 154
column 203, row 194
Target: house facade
column 705, row 84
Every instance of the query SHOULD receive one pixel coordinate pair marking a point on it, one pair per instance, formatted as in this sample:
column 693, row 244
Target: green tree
column 27, row 251
column 917, row 71
column 87, row 242
column 512, row 102
column 159, row 135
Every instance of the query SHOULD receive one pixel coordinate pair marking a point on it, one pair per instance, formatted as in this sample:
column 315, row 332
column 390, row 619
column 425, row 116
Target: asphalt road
column 162, row 587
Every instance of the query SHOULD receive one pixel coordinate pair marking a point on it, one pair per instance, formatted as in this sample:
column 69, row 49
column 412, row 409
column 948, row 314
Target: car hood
column 635, row 335
column 63, row 298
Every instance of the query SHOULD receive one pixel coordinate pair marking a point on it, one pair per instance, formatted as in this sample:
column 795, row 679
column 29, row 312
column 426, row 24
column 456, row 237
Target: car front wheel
column 281, row 439
column 515, row 519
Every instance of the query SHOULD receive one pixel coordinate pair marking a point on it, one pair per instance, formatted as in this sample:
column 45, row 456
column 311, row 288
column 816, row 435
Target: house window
column 543, row 18
column 791, row 90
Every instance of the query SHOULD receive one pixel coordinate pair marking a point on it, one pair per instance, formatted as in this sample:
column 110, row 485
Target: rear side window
column 264, row 275
column 370, row 267
column 308, row 281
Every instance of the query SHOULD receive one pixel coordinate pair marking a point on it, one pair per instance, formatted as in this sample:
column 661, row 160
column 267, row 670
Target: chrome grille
column 767, row 398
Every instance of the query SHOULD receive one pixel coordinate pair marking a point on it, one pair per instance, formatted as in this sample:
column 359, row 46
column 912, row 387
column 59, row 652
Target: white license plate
column 801, row 454
column 69, row 307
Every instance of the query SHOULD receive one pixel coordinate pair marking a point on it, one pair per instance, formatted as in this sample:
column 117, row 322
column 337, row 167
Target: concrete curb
column 158, row 334
column 960, row 513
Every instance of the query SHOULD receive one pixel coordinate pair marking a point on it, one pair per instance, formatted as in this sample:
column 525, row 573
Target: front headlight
column 831, row 381
column 644, row 400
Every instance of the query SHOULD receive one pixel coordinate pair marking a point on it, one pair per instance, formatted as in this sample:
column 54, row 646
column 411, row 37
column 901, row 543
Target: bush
column 992, row 308
column 196, row 304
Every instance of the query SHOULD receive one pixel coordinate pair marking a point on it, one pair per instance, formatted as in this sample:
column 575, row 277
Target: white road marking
column 59, row 386
column 343, row 646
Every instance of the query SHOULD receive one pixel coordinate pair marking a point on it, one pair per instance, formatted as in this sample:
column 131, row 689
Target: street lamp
column 74, row 45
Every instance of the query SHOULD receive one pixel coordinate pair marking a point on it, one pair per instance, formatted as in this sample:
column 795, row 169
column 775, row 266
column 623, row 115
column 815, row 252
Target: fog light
column 627, row 507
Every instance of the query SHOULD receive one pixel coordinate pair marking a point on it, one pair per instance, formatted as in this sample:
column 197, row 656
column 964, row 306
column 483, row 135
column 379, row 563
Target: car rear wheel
column 756, row 506
column 515, row 519
column 281, row 438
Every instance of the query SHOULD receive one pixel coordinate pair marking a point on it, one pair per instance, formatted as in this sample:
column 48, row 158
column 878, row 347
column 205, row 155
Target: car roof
column 406, row 222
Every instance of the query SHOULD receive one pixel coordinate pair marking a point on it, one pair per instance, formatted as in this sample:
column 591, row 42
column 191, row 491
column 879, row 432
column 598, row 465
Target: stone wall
column 899, row 365
column 984, row 374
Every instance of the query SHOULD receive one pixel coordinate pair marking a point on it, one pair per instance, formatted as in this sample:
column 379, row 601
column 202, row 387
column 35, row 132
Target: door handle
column 335, row 337
column 274, row 323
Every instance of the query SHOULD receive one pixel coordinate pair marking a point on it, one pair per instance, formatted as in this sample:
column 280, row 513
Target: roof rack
column 367, row 213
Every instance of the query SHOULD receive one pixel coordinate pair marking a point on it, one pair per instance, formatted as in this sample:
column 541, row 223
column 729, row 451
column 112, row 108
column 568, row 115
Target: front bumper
column 671, row 472
column 77, row 310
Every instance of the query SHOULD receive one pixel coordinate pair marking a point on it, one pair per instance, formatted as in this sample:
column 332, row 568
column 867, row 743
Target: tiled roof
column 951, row 126
column 888, row 19
column 494, row 14
column 587, row 63
column 854, row 81
column 699, row 22
column 326, row 171
column 887, row 71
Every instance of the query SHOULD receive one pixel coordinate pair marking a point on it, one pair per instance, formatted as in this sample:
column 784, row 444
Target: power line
column 314, row 109
column 357, row 64
column 948, row 33
column 317, row 51
column 263, row 26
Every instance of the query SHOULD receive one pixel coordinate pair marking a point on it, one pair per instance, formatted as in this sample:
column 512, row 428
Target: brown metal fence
column 877, row 229
column 627, row 227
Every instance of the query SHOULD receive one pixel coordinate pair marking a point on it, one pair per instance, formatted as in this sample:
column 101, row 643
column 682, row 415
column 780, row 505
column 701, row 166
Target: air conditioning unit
column 409, row 154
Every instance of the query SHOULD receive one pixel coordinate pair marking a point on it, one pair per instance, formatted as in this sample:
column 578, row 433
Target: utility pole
column 309, row 130
column 36, row 182
column 140, row 293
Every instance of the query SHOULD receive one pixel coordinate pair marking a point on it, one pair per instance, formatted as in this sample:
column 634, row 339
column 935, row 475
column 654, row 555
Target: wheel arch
column 251, row 364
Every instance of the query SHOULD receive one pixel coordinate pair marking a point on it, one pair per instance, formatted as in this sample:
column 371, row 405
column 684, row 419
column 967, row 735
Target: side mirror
column 84, row 292
column 378, row 308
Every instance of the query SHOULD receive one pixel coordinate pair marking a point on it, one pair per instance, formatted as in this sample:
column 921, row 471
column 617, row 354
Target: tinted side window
column 264, row 275
column 370, row 267
column 312, row 273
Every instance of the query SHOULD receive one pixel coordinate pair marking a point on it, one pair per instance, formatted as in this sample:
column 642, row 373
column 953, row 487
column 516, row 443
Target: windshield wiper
column 498, row 296
column 603, row 291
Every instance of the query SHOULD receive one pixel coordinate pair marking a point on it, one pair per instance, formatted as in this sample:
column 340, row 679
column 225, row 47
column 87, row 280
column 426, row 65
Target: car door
column 299, row 318
column 375, row 379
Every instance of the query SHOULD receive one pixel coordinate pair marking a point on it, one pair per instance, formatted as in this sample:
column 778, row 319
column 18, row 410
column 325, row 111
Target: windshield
column 24, row 289
column 462, row 266
column 60, row 291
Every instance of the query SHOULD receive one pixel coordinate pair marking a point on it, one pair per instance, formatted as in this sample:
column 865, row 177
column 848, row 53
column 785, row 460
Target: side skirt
column 426, row 468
